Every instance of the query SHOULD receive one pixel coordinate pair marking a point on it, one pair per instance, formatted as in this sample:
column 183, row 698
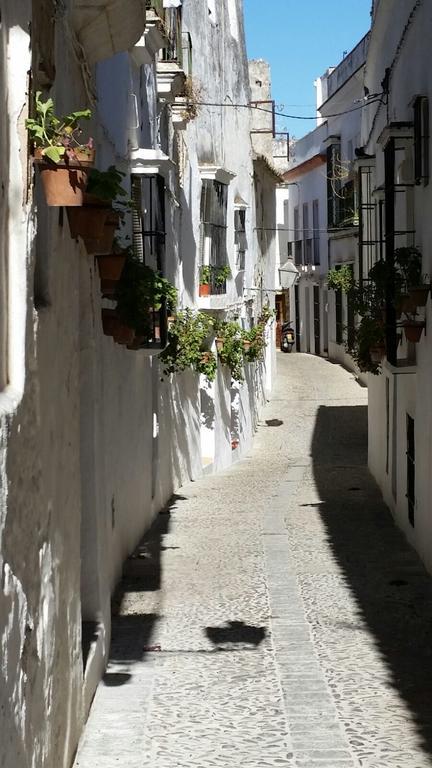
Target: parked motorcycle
column 287, row 337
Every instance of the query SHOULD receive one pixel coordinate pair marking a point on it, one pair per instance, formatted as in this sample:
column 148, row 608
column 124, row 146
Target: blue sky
column 300, row 39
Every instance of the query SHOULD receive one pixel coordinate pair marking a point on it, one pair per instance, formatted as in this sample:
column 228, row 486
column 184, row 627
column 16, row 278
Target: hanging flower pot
column 113, row 326
column 419, row 294
column 111, row 265
column 413, row 330
column 87, row 221
column 109, row 288
column 64, row 183
column 219, row 344
column 103, row 244
column 204, row 289
column 246, row 345
column 377, row 353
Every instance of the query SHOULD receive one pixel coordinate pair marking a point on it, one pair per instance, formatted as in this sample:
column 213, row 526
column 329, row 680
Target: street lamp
column 288, row 274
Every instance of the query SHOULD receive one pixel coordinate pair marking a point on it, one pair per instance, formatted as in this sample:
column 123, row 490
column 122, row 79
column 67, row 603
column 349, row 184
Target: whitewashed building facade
column 395, row 168
column 92, row 442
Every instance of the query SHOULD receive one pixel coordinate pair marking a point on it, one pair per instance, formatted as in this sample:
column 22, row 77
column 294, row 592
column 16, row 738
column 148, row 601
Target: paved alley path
column 276, row 618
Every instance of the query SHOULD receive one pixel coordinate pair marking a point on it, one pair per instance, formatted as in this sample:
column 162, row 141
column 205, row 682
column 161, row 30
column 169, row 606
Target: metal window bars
column 213, row 246
column 148, row 244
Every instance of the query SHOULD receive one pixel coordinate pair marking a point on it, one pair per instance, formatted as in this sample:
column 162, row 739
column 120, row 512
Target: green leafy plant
column 221, row 274
column 340, row 279
column 257, row 343
column 205, row 274
column 140, row 292
column 57, row 136
column 188, row 345
column 265, row 315
column 106, row 184
column 369, row 333
column 408, row 261
column 232, row 350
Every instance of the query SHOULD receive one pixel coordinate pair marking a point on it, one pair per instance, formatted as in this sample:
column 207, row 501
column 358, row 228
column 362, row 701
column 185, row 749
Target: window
column 316, row 234
column 350, row 316
column 421, row 140
column 339, row 323
column 297, row 242
column 410, row 458
column 333, row 184
column 307, row 241
column 240, row 237
column 213, row 251
column 148, row 239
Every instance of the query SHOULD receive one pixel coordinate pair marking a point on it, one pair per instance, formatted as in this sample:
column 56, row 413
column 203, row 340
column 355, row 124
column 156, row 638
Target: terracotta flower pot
column 87, row 221
column 377, row 353
column 413, row 330
column 104, row 243
column 109, row 288
column 418, row 295
column 247, row 345
column 204, row 289
column 111, row 265
column 64, row 183
column 219, row 345
column 113, row 326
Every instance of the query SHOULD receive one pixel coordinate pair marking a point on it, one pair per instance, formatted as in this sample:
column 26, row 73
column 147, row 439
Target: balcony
column 175, row 61
column 155, row 36
column 107, row 27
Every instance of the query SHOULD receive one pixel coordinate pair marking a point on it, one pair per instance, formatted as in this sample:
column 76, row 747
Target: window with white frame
column 421, row 140
column 214, row 199
column 240, row 240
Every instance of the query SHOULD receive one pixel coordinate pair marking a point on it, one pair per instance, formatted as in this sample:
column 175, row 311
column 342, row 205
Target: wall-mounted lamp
column 288, row 274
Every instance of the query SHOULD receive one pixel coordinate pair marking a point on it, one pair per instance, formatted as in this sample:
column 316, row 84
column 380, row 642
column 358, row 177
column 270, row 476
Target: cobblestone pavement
column 275, row 616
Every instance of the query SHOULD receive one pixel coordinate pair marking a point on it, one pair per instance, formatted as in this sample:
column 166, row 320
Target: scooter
column 287, row 337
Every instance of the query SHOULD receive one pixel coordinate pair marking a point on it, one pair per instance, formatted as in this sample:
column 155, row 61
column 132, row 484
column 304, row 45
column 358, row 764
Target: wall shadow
column 391, row 587
column 132, row 630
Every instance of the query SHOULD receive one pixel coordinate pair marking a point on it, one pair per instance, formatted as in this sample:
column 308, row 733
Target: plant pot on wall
column 413, row 330
column 111, row 265
column 103, row 244
column 87, row 221
column 377, row 353
column 204, row 289
column 65, row 183
column 113, row 326
column 418, row 295
column 219, row 344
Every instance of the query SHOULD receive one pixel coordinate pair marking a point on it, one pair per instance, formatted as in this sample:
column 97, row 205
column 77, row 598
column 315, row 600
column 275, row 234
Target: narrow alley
column 274, row 615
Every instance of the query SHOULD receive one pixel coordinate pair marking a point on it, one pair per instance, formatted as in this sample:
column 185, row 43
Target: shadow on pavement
column 131, row 632
column 236, row 632
column 392, row 589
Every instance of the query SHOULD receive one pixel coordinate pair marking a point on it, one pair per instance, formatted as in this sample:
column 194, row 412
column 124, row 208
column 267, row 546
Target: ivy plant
column 188, row 345
column 340, row 279
column 106, row 184
column 257, row 343
column 232, row 350
column 221, row 274
column 57, row 136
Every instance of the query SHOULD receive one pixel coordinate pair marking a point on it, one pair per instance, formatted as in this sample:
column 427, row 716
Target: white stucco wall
column 92, row 442
column 400, row 40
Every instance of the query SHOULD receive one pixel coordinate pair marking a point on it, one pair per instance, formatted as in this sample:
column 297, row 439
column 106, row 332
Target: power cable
column 367, row 102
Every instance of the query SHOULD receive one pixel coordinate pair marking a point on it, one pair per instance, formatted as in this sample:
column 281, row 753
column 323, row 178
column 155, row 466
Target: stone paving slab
column 262, row 626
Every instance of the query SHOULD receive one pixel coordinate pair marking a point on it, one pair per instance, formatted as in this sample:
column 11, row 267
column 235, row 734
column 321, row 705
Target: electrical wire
column 284, row 114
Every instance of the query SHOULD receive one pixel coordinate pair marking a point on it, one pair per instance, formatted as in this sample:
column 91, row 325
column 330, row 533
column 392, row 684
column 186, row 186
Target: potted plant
column 113, row 326
column 221, row 275
column 141, row 294
column 230, row 351
column 413, row 329
column 188, row 345
column 105, row 189
column 204, row 280
column 64, row 162
column 367, row 346
column 254, row 343
column 340, row 279
column 408, row 262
